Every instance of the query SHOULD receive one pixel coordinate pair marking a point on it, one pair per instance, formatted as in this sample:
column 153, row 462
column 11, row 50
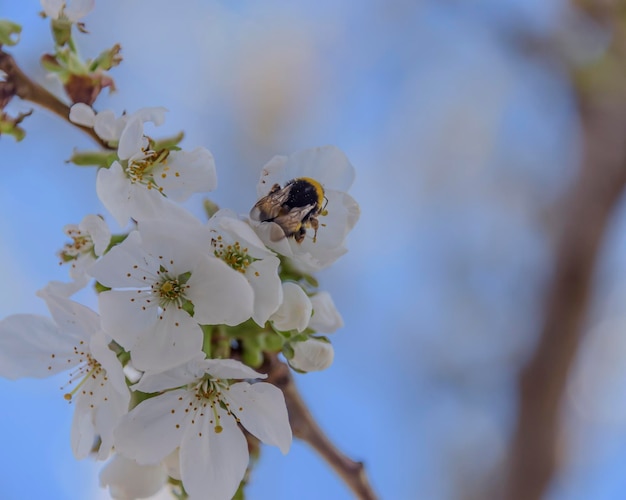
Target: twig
column 31, row 91
column 305, row 427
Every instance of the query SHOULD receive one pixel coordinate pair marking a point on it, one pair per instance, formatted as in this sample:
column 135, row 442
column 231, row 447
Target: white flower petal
column 151, row 431
column 268, row 292
column 131, row 140
column 71, row 317
column 114, row 191
column 98, row 230
column 82, row 114
column 262, row 410
column 230, row 369
column 212, row 465
column 325, row 317
column 295, row 311
column 127, row 480
column 174, row 339
column 220, row 295
column 312, row 355
column 83, row 434
column 186, row 173
column 99, row 348
column 52, row 8
column 161, row 380
column 107, row 126
column 127, row 258
column 34, row 346
column 78, row 9
column 123, row 317
column 154, row 114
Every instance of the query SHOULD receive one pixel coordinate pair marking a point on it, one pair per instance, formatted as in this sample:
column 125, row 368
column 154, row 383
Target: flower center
column 141, row 170
column 209, row 392
column 81, row 243
column 234, row 255
column 169, row 291
column 88, row 369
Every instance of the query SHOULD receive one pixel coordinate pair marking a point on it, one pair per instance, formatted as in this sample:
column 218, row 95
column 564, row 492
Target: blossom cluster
column 166, row 377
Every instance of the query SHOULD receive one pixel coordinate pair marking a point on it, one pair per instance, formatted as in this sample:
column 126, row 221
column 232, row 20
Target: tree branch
column 600, row 185
column 28, row 90
column 305, row 427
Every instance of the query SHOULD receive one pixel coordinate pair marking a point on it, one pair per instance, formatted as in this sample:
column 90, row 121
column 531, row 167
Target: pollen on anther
column 177, row 426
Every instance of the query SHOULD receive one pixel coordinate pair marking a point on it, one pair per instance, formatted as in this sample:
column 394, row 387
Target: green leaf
column 9, row 32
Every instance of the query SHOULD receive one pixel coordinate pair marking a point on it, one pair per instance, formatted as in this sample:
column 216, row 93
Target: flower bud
column 312, row 355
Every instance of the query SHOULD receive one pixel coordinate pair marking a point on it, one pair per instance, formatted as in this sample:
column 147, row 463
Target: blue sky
column 462, row 145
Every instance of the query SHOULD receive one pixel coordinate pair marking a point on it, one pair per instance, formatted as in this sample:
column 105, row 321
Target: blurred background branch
column 587, row 212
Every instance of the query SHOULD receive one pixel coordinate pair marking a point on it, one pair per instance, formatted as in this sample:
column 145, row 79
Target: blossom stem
column 305, row 427
column 23, row 87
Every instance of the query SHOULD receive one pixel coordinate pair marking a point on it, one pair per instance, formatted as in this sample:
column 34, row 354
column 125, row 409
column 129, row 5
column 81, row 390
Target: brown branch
column 588, row 209
column 26, row 89
column 305, row 427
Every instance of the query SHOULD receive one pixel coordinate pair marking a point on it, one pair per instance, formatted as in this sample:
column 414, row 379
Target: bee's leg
column 314, row 223
column 300, row 234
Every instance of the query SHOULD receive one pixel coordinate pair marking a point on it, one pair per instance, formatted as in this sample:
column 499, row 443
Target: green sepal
column 210, row 208
column 184, row 278
column 187, row 306
column 99, row 287
column 169, row 143
column 288, row 351
column 102, row 159
column 107, row 59
column 9, row 32
column 61, row 31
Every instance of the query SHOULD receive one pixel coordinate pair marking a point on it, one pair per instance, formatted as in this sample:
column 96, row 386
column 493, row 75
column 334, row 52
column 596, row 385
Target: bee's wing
column 269, row 207
column 290, row 222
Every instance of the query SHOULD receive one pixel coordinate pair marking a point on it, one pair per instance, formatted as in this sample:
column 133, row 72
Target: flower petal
column 220, row 294
column 213, row 464
column 174, row 339
column 82, row 114
column 127, row 480
column 131, row 139
column 154, row 428
column 114, row 190
column 34, row 346
column 262, row 410
column 179, row 376
column 295, row 311
column 325, row 317
column 312, row 355
column 186, row 173
column 78, row 9
column 230, row 369
column 98, row 230
column 123, row 316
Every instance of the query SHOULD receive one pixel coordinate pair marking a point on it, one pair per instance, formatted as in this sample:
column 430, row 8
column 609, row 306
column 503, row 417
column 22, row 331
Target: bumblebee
column 293, row 208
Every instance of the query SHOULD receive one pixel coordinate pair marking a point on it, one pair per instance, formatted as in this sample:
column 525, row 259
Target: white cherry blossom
column 37, row 346
column 328, row 166
column 201, row 415
column 295, row 311
column 164, row 285
column 90, row 239
column 312, row 355
column 325, row 317
column 234, row 241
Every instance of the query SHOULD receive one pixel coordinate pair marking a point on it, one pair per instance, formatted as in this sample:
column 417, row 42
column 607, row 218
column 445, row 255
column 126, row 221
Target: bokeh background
column 464, row 139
